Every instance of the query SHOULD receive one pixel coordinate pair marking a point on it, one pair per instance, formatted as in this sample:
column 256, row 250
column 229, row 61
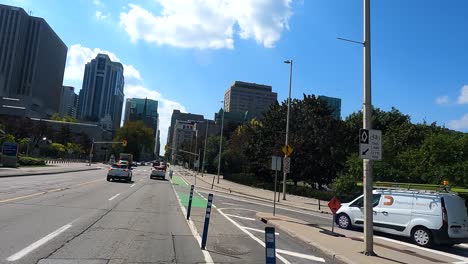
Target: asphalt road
column 81, row 218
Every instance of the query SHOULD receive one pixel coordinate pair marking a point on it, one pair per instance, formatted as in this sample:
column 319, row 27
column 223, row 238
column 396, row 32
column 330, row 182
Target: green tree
column 138, row 137
column 56, row 117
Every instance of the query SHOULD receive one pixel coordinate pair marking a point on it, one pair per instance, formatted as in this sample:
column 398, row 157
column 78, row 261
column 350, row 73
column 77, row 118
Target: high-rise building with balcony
column 68, row 102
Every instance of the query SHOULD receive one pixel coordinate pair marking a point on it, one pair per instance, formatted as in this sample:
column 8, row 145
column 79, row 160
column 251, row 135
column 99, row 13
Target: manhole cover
column 231, row 249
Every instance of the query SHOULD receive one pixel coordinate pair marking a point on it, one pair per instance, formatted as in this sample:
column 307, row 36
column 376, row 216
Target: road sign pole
column 276, row 179
column 333, row 222
column 367, row 123
column 270, row 247
column 207, row 221
column 189, row 207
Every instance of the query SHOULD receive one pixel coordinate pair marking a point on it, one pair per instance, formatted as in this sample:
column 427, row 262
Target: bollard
column 270, row 250
column 189, row 207
column 207, row 221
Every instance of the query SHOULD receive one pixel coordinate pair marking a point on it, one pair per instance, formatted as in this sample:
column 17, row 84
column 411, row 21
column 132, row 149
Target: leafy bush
column 28, row 161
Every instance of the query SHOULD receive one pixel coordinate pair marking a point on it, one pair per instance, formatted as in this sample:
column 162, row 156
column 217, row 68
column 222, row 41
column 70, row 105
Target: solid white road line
column 193, row 229
column 300, row 255
column 132, row 185
column 38, row 243
column 461, row 258
column 258, row 230
column 230, row 204
column 113, row 197
column 269, row 205
column 241, row 217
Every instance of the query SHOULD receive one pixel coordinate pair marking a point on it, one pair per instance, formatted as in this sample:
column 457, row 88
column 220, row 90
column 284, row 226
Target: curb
column 46, row 173
column 236, row 193
column 316, row 245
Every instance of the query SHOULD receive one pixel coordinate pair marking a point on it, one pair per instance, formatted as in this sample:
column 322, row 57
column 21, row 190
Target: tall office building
column 146, row 110
column 249, row 97
column 183, row 133
column 334, row 104
column 177, row 115
column 32, row 62
column 102, row 97
column 68, row 102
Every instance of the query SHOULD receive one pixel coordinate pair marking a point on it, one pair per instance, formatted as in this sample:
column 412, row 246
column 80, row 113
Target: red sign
column 334, row 204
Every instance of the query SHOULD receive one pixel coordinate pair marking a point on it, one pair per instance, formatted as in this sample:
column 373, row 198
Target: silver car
column 119, row 171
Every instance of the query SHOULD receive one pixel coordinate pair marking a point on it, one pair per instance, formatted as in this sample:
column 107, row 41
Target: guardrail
column 64, row 161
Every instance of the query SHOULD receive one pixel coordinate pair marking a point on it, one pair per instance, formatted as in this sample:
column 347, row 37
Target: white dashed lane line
column 113, row 197
column 241, row 217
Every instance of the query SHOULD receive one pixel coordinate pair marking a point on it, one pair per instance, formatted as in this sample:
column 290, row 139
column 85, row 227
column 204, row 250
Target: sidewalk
column 49, row 169
column 226, row 186
column 349, row 247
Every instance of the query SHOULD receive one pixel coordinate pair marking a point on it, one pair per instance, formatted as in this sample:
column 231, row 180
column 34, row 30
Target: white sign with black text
column 370, row 144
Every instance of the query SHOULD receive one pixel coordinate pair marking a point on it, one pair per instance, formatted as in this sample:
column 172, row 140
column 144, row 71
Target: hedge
column 28, row 161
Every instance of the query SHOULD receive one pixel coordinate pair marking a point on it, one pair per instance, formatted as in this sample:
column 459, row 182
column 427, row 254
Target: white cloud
column 442, row 100
column 78, row 56
column 100, row 15
column 98, row 3
column 459, row 124
column 463, row 98
column 207, row 24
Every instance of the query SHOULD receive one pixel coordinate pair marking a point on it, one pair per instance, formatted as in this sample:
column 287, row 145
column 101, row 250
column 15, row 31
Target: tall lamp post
column 290, row 62
column 221, row 143
column 204, row 150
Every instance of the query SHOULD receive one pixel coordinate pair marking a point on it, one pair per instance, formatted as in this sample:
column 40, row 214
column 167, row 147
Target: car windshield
column 119, row 166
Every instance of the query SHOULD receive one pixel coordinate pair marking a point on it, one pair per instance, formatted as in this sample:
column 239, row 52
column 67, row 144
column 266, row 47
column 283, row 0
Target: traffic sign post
column 334, row 206
column 270, row 247
column 207, row 221
column 287, row 164
column 287, row 150
column 370, row 144
column 189, row 206
column 276, row 166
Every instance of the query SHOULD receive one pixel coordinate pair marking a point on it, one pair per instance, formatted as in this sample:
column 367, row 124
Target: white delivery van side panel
column 457, row 216
column 427, row 211
column 394, row 213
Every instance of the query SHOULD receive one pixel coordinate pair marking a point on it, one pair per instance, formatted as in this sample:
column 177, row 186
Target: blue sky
column 186, row 53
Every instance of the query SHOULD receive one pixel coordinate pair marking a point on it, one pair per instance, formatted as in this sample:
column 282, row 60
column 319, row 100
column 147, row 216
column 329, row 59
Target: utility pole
column 91, row 152
column 290, row 62
column 204, row 150
column 367, row 123
column 196, row 147
column 220, row 144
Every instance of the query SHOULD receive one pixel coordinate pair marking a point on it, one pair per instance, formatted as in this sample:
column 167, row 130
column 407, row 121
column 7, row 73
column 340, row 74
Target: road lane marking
column 244, row 209
column 22, row 197
column 268, row 205
column 241, row 217
column 450, row 255
column 132, row 185
column 300, row 255
column 84, row 183
column 230, row 204
column 193, row 228
column 113, row 197
column 257, row 230
column 38, row 243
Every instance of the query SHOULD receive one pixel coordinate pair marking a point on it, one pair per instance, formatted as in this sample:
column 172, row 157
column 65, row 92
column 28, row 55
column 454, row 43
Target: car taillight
column 110, row 169
column 126, row 170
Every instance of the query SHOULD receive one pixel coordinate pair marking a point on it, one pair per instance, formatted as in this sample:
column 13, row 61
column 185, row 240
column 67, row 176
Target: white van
column 427, row 217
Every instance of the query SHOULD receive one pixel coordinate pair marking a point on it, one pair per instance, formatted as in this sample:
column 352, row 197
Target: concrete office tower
column 32, row 63
column 68, row 102
column 177, row 115
column 333, row 104
column 249, row 97
column 102, row 96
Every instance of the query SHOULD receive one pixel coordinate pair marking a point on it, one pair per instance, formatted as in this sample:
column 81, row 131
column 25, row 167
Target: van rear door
column 457, row 216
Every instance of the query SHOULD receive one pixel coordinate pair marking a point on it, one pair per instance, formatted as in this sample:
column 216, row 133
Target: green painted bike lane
column 183, row 191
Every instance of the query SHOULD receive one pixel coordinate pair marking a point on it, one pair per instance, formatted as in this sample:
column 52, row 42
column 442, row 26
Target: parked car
column 119, row 171
column 158, row 172
column 427, row 217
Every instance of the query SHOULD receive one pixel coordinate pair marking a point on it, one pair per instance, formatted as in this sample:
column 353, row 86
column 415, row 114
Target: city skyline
column 307, row 33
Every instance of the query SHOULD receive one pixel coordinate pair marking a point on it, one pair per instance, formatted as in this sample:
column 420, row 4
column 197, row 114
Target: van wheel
column 421, row 236
column 108, row 178
column 343, row 221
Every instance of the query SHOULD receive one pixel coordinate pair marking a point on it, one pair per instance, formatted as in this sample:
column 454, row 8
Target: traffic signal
column 124, row 143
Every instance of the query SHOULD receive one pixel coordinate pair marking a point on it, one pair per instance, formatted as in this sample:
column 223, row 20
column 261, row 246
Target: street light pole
column 290, row 62
column 220, row 144
column 204, row 150
column 367, row 124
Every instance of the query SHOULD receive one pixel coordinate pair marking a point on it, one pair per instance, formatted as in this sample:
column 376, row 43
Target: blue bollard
column 189, row 207
column 270, row 251
column 207, row 221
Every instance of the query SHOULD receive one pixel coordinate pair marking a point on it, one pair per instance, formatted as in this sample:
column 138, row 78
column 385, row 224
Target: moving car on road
column 158, row 172
column 427, row 217
column 119, row 171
